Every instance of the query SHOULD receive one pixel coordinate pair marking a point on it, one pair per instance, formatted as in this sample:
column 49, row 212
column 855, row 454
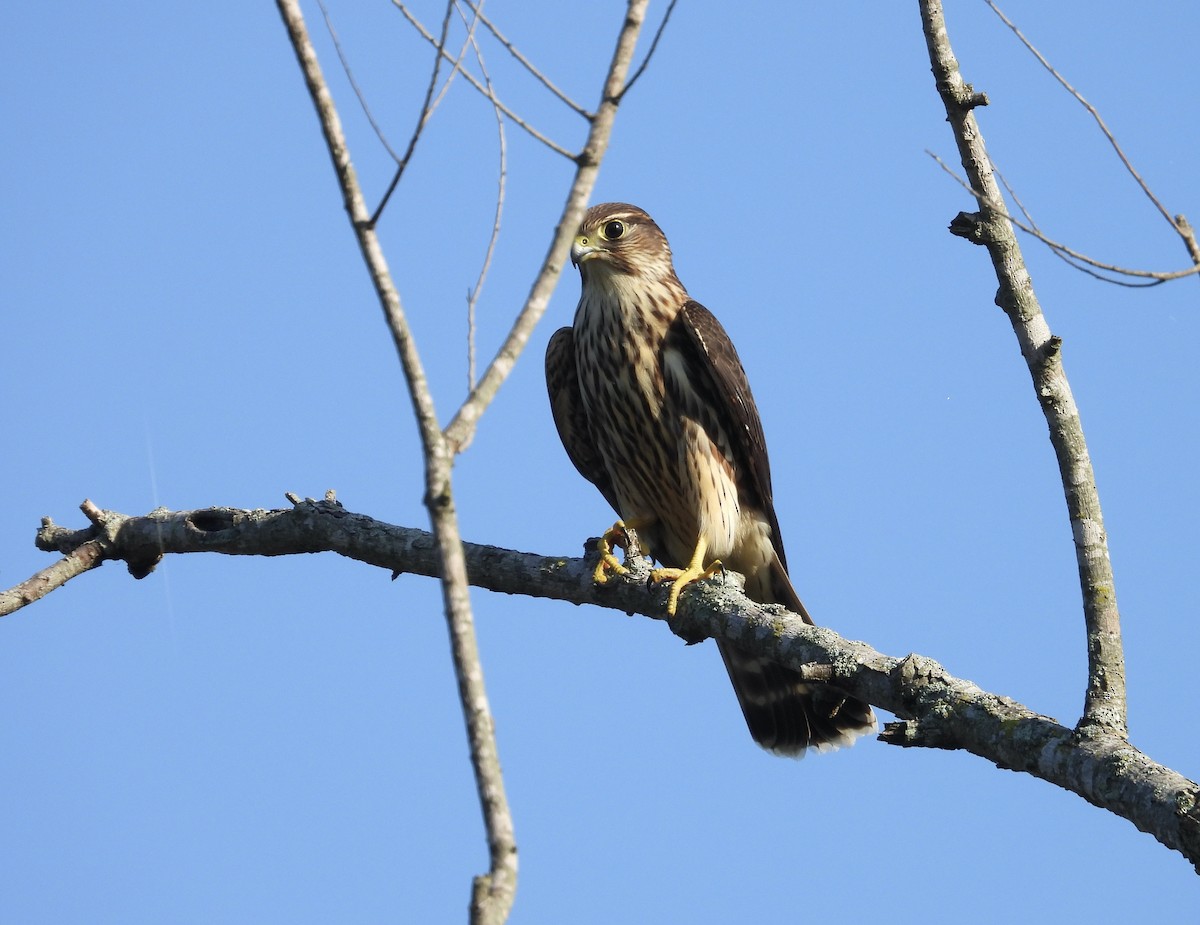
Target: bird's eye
column 614, row 230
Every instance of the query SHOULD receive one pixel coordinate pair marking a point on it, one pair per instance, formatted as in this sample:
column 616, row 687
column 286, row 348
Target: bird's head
column 617, row 239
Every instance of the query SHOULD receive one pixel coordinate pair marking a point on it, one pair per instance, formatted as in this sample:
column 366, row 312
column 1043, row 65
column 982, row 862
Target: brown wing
column 785, row 713
column 719, row 397
column 570, row 416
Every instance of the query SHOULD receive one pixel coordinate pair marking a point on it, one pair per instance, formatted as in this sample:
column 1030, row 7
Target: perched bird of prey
column 653, row 408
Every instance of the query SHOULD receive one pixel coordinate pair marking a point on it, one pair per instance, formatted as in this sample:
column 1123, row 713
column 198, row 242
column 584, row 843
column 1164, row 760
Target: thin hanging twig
column 473, row 294
column 1178, row 223
column 997, row 206
column 346, row 69
column 1070, row 261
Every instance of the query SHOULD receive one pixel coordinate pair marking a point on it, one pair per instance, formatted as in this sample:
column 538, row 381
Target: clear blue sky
column 186, row 322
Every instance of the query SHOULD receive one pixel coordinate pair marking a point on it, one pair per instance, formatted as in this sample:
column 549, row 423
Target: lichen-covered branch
column 935, row 709
column 1104, row 701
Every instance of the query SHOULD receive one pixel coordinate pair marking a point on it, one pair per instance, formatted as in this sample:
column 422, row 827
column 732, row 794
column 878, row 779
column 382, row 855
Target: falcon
column 654, row 409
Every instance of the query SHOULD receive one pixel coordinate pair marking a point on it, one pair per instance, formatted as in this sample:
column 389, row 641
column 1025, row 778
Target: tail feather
column 785, row 713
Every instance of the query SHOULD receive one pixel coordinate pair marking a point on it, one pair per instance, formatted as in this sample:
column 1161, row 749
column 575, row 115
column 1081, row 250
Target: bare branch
column 936, row 709
column 423, row 118
column 362, row 100
column 492, row 893
column 474, row 82
column 1104, row 701
column 997, row 207
column 1178, row 223
column 525, row 62
column 86, row 556
column 1070, row 261
column 462, row 428
column 650, row 52
column 473, row 295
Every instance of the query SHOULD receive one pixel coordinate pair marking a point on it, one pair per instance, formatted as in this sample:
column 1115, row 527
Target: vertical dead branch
column 1104, row 701
column 493, row 892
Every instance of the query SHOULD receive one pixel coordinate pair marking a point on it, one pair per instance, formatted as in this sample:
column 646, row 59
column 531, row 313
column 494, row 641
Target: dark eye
column 613, row 230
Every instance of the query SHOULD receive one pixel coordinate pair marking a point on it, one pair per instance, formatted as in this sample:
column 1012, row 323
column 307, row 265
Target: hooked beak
column 581, row 249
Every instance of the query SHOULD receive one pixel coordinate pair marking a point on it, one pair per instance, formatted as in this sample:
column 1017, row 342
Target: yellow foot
column 680, row 578
column 615, row 536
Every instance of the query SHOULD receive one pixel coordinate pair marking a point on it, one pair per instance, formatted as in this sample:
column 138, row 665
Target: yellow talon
column 614, row 536
column 682, row 577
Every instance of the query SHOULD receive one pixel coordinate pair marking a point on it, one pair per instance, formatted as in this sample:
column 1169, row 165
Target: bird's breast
column 667, row 467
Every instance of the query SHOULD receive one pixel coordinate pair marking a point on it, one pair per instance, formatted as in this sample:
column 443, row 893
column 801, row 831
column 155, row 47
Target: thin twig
column 525, row 62
column 1056, row 251
column 423, row 119
column 1104, row 700
column 1178, row 224
column 468, row 41
column 462, row 428
column 429, row 107
column 998, row 207
column 474, row 82
column 653, row 46
column 473, row 294
column 362, row 99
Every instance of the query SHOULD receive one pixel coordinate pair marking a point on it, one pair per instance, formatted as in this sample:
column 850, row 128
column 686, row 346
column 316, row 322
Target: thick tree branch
column 1104, row 701
column 936, row 709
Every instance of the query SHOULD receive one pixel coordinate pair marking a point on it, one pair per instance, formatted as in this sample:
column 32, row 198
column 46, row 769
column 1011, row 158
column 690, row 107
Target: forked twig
column 650, row 51
column 475, row 82
column 525, row 62
column 427, row 107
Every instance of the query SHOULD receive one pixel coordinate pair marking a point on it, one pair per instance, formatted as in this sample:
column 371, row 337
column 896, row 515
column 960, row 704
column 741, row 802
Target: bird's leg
column 682, row 577
column 615, row 536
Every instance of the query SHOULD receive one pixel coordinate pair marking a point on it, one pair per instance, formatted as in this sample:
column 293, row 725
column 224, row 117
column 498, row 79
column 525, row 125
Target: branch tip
column 969, row 98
